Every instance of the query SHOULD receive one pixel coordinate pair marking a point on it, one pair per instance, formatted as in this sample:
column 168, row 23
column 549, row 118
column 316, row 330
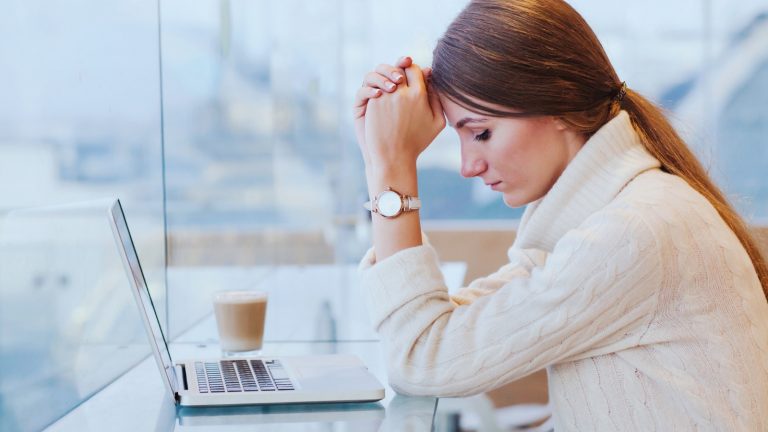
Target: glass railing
column 79, row 120
column 68, row 322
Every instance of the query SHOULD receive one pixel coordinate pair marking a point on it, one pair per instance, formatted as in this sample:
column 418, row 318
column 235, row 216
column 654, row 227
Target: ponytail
column 539, row 57
column 662, row 141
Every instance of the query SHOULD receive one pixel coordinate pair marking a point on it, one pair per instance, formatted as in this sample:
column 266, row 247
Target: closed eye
column 484, row 136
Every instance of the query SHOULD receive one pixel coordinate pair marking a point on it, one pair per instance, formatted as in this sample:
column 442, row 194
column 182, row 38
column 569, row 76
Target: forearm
column 595, row 291
column 396, row 130
column 391, row 235
column 522, row 262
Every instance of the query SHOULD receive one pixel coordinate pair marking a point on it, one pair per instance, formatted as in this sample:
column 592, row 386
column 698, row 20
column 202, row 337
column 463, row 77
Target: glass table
column 312, row 310
column 138, row 401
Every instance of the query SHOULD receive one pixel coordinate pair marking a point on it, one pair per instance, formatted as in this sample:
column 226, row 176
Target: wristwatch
column 391, row 203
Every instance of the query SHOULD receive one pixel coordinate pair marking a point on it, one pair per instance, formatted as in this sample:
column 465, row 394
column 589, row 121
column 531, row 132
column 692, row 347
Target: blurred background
column 225, row 126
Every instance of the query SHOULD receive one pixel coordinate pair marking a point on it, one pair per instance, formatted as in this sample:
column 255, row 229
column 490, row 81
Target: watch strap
column 411, row 203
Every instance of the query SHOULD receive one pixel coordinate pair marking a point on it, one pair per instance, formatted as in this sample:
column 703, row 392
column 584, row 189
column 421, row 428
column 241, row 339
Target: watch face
column 389, row 203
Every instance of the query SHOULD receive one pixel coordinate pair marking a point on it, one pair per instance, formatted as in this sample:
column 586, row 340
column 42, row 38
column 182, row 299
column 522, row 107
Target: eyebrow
column 461, row 123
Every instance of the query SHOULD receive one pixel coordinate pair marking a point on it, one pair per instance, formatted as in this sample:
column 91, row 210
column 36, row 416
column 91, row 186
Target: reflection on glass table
column 403, row 414
column 353, row 416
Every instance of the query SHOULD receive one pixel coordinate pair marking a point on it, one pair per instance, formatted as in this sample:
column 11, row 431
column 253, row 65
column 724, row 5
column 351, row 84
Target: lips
column 494, row 185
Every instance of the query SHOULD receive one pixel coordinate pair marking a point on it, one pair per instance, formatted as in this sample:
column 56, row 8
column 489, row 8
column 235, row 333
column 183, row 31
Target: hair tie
column 621, row 93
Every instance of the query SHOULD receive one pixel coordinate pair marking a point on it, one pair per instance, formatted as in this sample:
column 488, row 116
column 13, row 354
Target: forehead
column 455, row 112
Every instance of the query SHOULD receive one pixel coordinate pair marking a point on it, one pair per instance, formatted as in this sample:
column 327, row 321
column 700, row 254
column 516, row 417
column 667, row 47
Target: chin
column 517, row 199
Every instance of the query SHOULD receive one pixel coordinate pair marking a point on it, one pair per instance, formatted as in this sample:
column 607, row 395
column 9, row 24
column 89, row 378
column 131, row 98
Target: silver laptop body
column 246, row 380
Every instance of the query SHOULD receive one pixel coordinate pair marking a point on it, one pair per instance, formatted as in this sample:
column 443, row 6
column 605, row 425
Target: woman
column 631, row 279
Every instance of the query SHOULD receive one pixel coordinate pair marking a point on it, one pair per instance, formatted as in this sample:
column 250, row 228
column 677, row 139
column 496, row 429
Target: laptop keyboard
column 233, row 376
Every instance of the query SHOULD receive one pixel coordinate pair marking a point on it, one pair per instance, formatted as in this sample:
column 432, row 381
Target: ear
column 560, row 124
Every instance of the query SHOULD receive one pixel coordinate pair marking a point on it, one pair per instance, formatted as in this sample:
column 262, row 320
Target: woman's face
column 519, row 157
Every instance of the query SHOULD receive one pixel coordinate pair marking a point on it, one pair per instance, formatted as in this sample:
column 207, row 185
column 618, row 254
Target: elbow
column 416, row 380
column 409, row 389
column 417, row 350
column 415, row 366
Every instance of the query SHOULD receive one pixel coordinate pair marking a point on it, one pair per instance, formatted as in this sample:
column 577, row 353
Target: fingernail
column 397, row 77
column 389, row 86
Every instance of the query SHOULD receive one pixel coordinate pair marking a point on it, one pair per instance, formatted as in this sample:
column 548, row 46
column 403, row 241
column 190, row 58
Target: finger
column 364, row 94
column 401, row 64
column 427, row 72
column 414, row 77
column 404, row 62
column 359, row 112
column 396, row 74
column 434, row 103
column 380, row 81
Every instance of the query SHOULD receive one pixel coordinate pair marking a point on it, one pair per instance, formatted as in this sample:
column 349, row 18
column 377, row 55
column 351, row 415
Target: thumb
column 427, row 72
column 415, row 78
column 404, row 62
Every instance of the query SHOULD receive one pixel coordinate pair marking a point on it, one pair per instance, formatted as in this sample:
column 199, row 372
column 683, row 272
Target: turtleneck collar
column 610, row 159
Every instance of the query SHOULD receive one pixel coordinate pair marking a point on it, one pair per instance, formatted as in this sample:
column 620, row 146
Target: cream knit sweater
column 623, row 282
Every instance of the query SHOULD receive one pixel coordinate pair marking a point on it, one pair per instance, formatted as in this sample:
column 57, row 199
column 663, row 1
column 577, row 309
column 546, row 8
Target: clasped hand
column 396, row 115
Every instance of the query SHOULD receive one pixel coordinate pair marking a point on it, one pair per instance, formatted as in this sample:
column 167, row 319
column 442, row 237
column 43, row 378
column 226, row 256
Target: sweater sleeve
column 594, row 294
column 521, row 263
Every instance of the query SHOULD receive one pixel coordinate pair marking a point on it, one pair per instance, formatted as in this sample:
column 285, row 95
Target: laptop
column 242, row 380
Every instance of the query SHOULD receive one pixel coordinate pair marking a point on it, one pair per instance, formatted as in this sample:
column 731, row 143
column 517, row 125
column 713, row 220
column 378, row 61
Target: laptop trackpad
column 338, row 369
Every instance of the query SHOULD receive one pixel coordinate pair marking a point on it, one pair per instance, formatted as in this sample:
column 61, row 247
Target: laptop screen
column 141, row 293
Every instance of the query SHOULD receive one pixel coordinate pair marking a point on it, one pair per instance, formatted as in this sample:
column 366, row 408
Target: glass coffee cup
column 240, row 318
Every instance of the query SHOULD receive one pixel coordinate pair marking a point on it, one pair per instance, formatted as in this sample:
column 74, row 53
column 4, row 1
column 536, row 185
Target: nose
column 472, row 164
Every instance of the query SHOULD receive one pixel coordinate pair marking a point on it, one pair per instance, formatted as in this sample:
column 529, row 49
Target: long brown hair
column 540, row 57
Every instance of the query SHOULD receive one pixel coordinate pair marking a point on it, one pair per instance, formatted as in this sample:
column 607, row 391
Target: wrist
column 400, row 176
column 378, row 165
column 391, row 203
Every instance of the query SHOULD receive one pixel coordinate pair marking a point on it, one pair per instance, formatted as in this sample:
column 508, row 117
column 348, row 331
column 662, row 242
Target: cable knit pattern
column 623, row 282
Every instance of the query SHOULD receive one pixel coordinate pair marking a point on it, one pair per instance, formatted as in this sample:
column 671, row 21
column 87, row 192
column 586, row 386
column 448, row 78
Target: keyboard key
column 231, row 381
